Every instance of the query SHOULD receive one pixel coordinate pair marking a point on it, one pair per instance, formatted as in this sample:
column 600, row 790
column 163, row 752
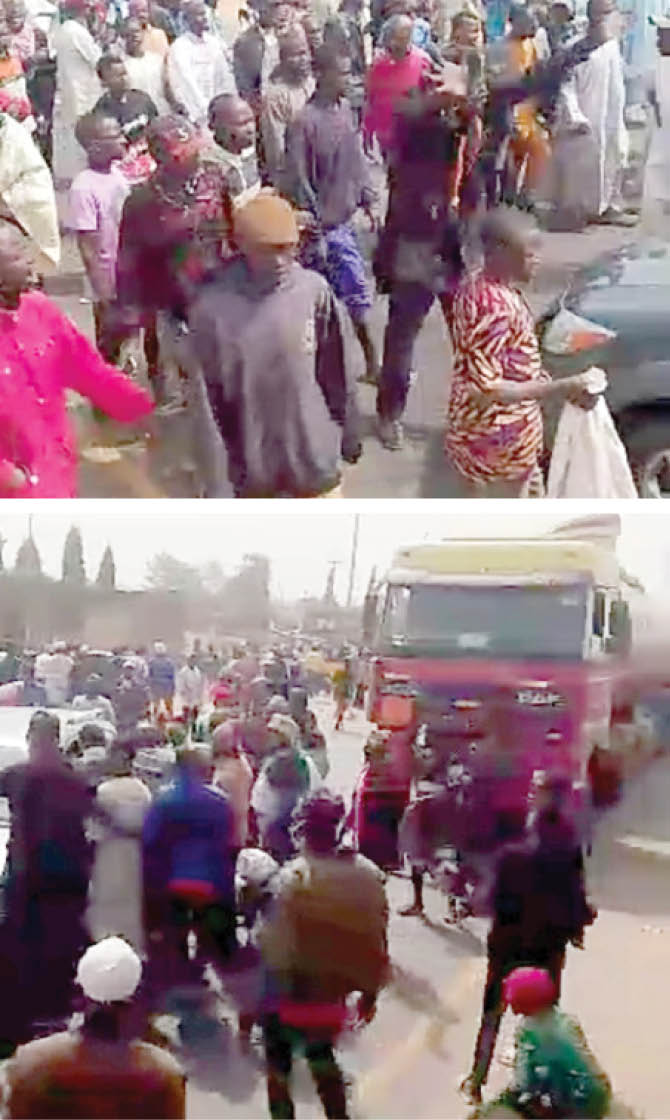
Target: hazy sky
column 301, row 539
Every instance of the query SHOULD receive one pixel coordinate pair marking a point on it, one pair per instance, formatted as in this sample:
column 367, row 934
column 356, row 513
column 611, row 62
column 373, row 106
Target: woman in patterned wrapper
column 494, row 435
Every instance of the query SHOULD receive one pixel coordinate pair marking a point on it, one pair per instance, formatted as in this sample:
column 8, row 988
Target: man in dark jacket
column 271, row 344
column 189, row 872
column 539, row 907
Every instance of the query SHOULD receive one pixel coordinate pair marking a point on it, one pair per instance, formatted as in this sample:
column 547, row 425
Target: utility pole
column 354, row 557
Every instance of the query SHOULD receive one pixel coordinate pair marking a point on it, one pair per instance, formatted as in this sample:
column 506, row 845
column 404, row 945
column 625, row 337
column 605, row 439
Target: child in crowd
column 97, row 196
column 555, row 1073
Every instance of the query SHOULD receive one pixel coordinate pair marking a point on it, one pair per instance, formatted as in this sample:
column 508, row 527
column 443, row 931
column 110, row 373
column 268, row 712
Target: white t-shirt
column 147, row 73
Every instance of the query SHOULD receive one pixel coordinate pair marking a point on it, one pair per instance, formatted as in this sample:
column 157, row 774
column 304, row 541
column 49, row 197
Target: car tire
column 648, row 445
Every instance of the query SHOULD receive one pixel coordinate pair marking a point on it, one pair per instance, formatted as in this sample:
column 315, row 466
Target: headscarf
column 529, row 990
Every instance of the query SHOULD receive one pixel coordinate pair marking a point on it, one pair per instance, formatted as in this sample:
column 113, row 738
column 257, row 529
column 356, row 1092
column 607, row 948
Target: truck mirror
column 599, row 618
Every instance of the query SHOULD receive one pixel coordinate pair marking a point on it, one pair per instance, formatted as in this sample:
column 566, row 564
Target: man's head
column 128, row 671
column 43, row 736
column 15, row 11
column 17, row 267
column 266, row 233
column 601, row 16
column 398, row 36
column 318, row 822
column 333, row 73
column 284, row 732
column 196, row 16
column 109, row 972
column 232, row 122
column 93, row 685
column 101, row 138
column 466, row 28
column 294, row 56
column 511, row 244
column 192, row 660
column 275, row 15
column 225, row 741
column 197, row 762
column 133, row 37
column 522, row 22
column 174, row 144
column 113, row 74
column 139, row 10
column 561, row 12
column 662, row 25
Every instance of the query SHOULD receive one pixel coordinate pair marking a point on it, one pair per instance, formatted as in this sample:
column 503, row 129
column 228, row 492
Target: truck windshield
column 511, row 622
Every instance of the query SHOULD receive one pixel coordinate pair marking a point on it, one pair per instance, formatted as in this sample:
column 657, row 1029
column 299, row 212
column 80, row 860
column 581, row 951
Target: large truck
column 531, row 635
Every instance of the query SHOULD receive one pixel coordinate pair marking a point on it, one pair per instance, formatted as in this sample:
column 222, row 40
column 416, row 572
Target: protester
column 594, row 139
column 287, row 416
column 234, row 777
column 54, row 670
column 115, row 898
column 555, row 1072
column 656, row 189
column 97, row 196
column 256, row 51
column 162, row 681
column 191, row 689
column 154, row 39
column 287, row 93
column 539, row 906
column 37, row 453
column 49, row 861
column 233, row 126
column 171, row 236
column 13, row 89
column 327, row 175
column 343, row 36
column 342, row 686
column 326, row 939
column 287, row 776
column 78, row 86
column 145, row 67
column 27, row 191
column 101, row 1068
column 92, row 699
column 397, row 69
column 419, row 257
column 188, row 853
column 379, row 802
column 494, row 427
column 134, row 110
column 197, row 66
column 529, row 147
column 132, row 699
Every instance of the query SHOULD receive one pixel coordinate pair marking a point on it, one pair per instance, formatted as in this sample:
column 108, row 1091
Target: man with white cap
column 101, row 1069
column 272, row 345
column 287, row 776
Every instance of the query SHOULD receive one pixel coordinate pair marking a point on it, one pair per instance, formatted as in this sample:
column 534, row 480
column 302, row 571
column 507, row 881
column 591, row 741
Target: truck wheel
column 648, row 445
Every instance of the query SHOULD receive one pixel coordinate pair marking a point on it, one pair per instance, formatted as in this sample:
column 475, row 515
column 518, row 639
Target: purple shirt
column 96, row 205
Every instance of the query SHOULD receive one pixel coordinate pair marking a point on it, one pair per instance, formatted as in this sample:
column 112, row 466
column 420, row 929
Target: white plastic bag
column 589, row 460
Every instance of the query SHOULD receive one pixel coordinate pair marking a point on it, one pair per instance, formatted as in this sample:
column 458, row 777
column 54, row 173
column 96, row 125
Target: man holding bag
column 494, row 428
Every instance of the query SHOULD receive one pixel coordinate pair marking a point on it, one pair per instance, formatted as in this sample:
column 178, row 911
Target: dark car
column 627, row 292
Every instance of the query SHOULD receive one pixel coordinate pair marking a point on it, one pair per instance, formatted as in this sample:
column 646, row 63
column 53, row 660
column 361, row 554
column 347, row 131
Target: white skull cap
column 109, row 971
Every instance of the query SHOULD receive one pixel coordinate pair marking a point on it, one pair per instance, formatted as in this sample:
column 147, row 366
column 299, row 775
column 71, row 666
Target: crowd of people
column 213, row 165
column 182, row 834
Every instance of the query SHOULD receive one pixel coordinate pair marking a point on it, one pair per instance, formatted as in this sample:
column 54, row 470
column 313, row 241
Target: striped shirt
column 494, row 339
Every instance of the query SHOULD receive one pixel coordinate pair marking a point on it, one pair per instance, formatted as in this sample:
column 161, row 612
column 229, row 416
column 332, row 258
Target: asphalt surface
column 409, row 1061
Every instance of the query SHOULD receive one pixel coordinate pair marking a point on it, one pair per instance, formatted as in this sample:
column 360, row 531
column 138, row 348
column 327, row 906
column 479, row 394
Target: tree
column 73, row 571
column 106, row 578
column 246, row 597
column 28, row 562
column 167, row 573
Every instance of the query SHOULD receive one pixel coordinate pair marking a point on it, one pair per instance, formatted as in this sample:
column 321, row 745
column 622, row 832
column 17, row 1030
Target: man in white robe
column 590, row 131
column 197, row 66
column 656, row 190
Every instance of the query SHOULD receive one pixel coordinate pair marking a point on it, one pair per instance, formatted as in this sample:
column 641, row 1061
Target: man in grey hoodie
column 272, row 345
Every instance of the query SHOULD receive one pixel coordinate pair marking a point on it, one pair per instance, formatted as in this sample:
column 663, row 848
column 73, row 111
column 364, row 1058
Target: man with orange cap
column 271, row 343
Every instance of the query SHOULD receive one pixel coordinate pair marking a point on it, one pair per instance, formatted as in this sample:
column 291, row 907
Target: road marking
column 644, row 844
column 427, row 1034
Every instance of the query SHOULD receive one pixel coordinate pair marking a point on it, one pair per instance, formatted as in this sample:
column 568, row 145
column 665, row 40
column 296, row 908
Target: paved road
column 419, row 471
column 408, row 1062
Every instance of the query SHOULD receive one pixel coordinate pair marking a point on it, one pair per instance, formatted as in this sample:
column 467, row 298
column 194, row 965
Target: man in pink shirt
column 42, row 355
column 397, row 69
